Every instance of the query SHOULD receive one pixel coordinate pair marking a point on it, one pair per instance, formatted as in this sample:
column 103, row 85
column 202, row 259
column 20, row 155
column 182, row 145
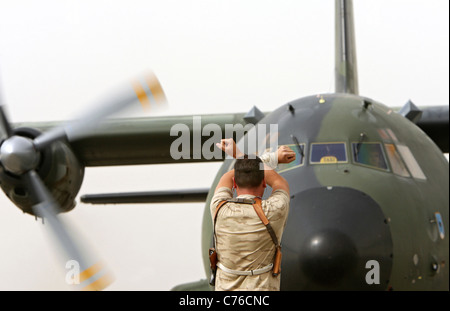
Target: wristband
column 270, row 159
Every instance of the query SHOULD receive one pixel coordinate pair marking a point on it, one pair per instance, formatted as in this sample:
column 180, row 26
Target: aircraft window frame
column 411, row 163
column 380, row 145
column 384, row 135
column 331, row 162
column 284, row 167
column 392, row 135
column 398, row 166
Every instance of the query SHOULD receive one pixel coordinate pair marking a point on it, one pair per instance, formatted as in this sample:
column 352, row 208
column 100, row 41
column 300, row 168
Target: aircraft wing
column 434, row 122
column 140, row 140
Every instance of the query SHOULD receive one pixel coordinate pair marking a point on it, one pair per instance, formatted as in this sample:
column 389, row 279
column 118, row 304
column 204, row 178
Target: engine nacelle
column 60, row 170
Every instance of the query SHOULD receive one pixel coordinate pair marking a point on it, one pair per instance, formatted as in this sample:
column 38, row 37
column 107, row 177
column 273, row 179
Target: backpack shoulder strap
column 277, row 257
column 232, row 200
column 221, row 203
column 258, row 209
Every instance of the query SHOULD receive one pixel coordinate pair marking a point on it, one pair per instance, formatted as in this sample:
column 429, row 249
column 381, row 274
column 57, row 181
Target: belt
column 251, row 272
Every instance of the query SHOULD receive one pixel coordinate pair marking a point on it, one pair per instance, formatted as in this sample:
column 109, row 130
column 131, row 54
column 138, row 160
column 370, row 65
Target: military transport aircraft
column 369, row 187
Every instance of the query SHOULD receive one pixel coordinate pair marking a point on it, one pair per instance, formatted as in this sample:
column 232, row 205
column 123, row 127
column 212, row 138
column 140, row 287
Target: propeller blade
column 91, row 274
column 5, row 127
column 147, row 92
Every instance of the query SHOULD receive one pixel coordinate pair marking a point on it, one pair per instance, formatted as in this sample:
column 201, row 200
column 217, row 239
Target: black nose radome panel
column 336, row 239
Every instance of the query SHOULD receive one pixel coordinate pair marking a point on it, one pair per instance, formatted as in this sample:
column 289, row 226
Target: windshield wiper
column 299, row 147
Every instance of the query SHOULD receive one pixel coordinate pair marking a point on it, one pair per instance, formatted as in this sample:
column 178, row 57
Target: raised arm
column 226, row 180
column 275, row 180
column 284, row 154
column 229, row 147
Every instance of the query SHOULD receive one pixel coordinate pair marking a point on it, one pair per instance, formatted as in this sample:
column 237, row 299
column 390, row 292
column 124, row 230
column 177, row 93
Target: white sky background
column 211, row 56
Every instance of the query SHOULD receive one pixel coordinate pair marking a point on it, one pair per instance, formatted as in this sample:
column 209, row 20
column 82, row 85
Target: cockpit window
column 398, row 167
column 328, row 153
column 298, row 149
column 369, row 154
column 411, row 162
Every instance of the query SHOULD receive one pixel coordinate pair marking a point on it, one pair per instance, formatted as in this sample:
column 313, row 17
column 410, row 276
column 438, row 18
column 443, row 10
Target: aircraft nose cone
column 328, row 257
column 330, row 237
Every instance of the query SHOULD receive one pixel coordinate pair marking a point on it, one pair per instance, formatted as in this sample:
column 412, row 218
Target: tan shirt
column 243, row 243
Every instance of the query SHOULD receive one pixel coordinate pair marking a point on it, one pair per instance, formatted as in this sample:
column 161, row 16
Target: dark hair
column 248, row 173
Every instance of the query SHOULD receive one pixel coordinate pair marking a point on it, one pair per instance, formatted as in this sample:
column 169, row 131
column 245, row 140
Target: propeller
column 20, row 156
column 91, row 274
column 146, row 90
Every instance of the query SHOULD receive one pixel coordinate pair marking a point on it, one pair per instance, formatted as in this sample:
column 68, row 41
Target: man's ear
column 264, row 183
column 234, row 184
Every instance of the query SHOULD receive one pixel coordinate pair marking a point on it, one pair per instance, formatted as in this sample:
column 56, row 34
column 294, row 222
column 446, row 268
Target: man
column 243, row 243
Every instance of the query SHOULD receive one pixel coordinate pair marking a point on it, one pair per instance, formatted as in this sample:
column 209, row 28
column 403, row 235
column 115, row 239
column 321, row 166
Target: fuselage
column 369, row 198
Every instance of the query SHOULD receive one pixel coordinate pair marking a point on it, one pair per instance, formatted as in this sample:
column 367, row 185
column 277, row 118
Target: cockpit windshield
column 398, row 167
column 299, row 150
column 328, row 153
column 369, row 154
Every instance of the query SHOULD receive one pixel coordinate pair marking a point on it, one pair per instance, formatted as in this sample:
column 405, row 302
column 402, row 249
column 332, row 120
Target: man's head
column 248, row 174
